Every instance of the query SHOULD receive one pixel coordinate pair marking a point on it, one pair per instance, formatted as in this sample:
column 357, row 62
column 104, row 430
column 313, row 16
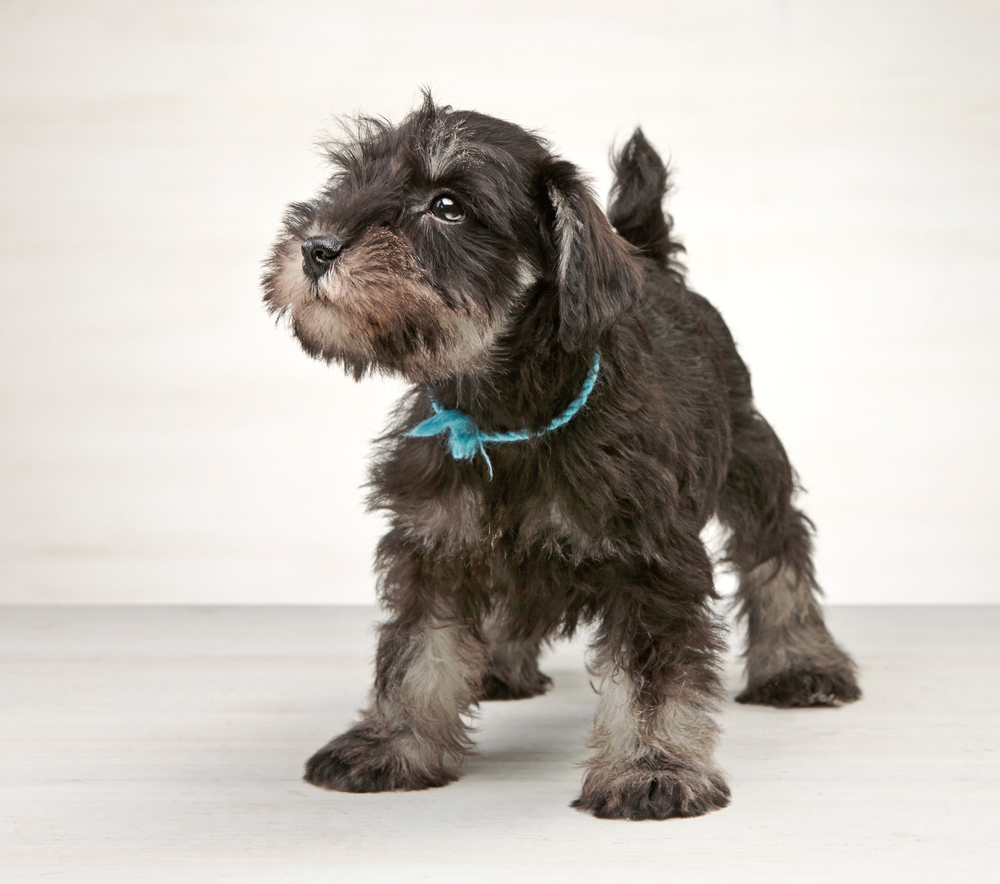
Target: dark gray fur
column 458, row 251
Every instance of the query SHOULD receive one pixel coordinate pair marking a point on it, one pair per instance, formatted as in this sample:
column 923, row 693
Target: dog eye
column 447, row 208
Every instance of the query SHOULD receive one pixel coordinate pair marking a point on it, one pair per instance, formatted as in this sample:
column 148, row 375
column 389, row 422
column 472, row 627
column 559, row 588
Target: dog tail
column 636, row 201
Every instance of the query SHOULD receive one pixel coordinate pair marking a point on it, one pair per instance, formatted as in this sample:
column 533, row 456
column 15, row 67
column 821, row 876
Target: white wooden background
column 837, row 186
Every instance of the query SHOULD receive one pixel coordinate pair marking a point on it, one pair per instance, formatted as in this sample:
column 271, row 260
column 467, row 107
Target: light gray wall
column 837, row 186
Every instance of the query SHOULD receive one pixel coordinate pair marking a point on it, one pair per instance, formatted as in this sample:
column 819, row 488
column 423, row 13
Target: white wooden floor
column 155, row 744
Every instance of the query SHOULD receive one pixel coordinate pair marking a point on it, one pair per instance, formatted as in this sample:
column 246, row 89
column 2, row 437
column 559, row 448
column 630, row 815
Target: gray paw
column 363, row 760
column 673, row 790
column 803, row 687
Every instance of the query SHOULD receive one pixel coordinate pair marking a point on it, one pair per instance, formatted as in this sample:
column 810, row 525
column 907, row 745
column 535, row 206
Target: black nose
column 319, row 252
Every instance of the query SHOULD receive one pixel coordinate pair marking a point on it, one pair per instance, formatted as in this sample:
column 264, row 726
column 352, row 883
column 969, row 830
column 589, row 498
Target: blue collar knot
column 465, row 439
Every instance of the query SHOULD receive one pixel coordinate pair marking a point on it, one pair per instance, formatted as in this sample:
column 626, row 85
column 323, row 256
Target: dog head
column 434, row 240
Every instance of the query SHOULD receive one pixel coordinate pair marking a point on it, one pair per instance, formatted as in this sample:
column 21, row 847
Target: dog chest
column 462, row 523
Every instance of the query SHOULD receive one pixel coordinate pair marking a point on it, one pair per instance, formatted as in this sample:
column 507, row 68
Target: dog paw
column 803, row 687
column 363, row 761
column 495, row 687
column 640, row 794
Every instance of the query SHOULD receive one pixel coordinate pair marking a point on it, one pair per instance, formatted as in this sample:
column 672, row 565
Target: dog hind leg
column 791, row 659
column 512, row 672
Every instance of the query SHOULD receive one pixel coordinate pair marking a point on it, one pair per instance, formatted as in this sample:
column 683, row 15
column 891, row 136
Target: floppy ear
column 596, row 270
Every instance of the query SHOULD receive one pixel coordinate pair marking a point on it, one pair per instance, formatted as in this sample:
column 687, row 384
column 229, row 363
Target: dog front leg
column 653, row 733
column 412, row 736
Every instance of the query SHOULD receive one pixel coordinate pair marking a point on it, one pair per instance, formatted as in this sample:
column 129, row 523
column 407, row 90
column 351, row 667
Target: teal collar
column 465, row 439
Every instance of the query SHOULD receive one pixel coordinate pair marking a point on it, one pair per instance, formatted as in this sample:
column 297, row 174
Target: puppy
column 577, row 416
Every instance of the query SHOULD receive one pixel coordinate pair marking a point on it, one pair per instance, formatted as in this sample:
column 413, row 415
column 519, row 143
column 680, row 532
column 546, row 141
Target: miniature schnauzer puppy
column 577, row 415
